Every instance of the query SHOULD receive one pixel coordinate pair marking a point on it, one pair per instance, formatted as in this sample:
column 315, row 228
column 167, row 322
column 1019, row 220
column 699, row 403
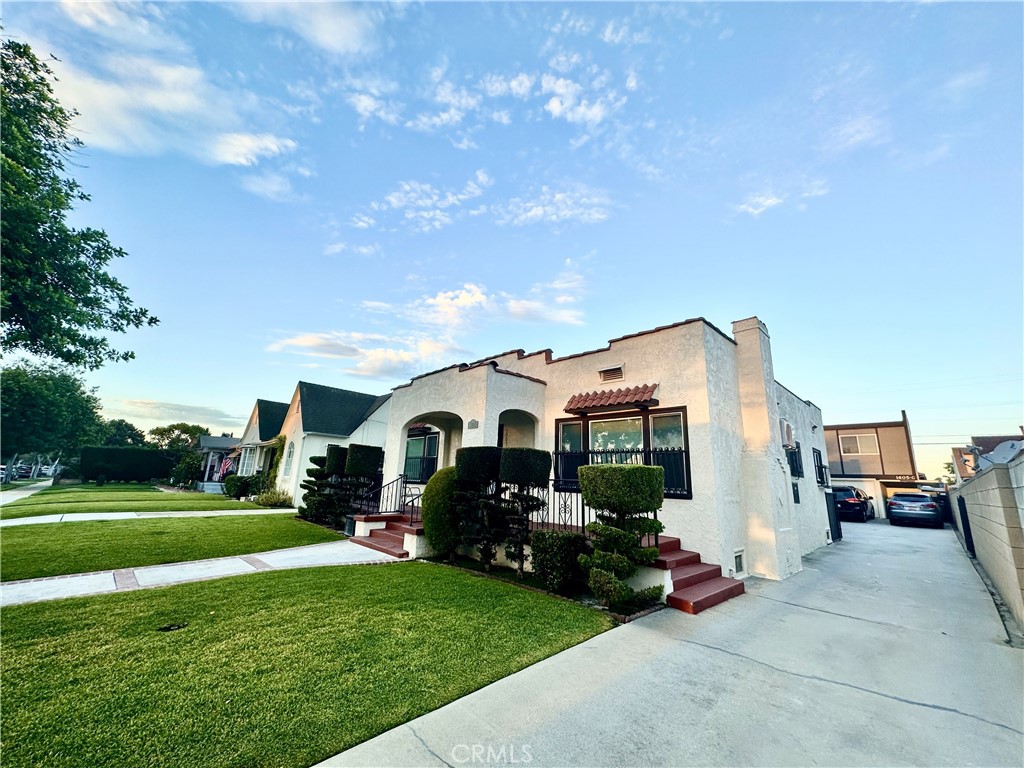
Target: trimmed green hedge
column 525, row 466
column 363, row 460
column 125, row 464
column 556, row 559
column 479, row 466
column 441, row 512
column 336, row 458
column 623, row 490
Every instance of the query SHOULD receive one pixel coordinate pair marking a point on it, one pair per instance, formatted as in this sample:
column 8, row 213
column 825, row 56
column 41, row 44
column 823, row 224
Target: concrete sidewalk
column 83, row 517
column 6, row 497
column 885, row 650
column 129, row 579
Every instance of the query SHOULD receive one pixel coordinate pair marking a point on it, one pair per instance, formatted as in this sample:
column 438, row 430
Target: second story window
column 858, row 445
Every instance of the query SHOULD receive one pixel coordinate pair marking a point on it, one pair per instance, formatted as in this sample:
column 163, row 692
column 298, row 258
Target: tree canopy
column 57, row 300
column 46, row 410
column 118, row 433
column 177, row 436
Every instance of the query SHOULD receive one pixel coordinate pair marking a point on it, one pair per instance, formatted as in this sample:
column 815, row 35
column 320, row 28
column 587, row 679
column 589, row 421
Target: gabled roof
column 211, row 443
column 637, row 397
column 332, row 411
column 271, row 417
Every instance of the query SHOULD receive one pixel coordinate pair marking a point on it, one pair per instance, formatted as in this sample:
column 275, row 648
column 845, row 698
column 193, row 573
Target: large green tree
column 57, row 300
column 177, row 437
column 45, row 410
column 118, row 433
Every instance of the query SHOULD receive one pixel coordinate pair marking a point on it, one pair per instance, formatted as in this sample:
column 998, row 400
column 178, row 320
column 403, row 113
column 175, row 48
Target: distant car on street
column 914, row 508
column 853, row 504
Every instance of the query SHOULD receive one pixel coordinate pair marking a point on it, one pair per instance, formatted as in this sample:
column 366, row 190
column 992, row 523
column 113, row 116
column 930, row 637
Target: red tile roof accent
column 588, row 401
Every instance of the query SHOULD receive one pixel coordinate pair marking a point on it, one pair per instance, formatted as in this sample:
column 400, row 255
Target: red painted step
column 665, row 543
column 392, row 537
column 702, row 596
column 380, row 545
column 669, row 560
column 688, row 575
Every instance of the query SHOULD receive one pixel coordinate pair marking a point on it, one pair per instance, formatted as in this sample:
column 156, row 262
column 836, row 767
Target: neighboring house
column 703, row 405
column 965, row 460
column 876, row 456
column 319, row 416
column 256, row 449
column 215, row 452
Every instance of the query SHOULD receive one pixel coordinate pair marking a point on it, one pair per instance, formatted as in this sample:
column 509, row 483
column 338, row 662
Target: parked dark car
column 915, row 508
column 853, row 504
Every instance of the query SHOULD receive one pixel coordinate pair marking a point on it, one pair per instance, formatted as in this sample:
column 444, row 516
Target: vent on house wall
column 611, row 374
column 738, row 565
column 788, row 436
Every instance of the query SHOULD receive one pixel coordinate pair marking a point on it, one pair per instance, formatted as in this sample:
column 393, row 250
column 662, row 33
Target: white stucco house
column 688, row 397
column 319, row 416
column 256, row 446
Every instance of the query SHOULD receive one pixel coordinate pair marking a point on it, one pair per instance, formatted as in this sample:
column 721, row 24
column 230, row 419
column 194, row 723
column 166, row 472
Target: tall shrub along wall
column 125, row 464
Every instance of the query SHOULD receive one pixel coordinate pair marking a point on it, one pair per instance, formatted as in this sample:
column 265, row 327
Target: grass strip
column 31, row 552
column 272, row 669
column 169, row 502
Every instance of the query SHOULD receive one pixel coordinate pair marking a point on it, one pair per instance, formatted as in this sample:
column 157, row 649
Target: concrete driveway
column 886, row 650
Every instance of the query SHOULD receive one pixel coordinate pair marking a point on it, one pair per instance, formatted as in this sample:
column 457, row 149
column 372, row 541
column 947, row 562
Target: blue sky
column 354, row 194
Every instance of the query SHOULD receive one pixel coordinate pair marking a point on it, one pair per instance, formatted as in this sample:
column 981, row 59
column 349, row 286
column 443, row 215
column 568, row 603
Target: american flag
column 225, row 466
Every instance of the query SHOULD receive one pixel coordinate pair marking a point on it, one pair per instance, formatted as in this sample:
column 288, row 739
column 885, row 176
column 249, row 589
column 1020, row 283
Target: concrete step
column 665, row 543
column 669, row 560
column 380, row 545
column 688, row 575
column 393, row 537
column 702, row 596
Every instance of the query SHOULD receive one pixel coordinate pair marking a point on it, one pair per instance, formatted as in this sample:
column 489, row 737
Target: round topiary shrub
column 623, row 490
column 525, row 466
column 236, row 486
column 479, row 466
column 441, row 512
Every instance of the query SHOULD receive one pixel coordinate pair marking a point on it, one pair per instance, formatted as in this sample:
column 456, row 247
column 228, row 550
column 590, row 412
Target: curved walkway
column 6, row 497
column 129, row 579
column 84, row 517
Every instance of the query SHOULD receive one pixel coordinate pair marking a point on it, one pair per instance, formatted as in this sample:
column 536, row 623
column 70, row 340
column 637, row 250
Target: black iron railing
column 564, row 509
column 396, row 497
column 675, row 462
column 419, row 469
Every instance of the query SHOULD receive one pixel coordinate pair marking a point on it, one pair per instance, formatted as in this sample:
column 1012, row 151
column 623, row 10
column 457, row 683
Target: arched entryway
column 429, row 443
column 517, row 429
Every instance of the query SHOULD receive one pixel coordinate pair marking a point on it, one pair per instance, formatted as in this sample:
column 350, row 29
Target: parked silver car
column 914, row 508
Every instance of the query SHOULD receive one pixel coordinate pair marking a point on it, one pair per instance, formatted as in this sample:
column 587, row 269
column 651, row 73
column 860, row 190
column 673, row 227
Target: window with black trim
column 796, row 461
column 420, row 456
column 796, row 493
column 657, row 437
column 820, row 468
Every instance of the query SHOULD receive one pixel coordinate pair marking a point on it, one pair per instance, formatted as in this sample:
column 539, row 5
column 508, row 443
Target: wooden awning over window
column 613, row 400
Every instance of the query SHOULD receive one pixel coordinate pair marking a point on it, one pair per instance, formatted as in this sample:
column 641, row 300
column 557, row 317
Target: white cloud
column 631, row 81
column 757, row 204
column 578, row 203
column 619, row 33
column 859, row 131
column 147, row 414
column 521, row 85
column 566, row 102
column 502, row 116
column 451, row 308
column 426, row 208
column 362, row 221
column 465, row 143
column 963, row 82
column 335, row 248
column 530, row 309
column 564, row 61
column 247, row 148
column 369, row 106
column 316, row 345
column 271, row 186
column 338, row 28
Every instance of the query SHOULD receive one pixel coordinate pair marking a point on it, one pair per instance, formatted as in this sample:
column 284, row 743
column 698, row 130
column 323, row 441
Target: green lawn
column 53, row 549
column 61, row 501
column 273, row 669
column 106, row 488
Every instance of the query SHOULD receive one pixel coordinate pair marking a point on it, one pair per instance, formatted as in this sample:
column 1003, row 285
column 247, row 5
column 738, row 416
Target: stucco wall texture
column 995, row 510
column 742, row 497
